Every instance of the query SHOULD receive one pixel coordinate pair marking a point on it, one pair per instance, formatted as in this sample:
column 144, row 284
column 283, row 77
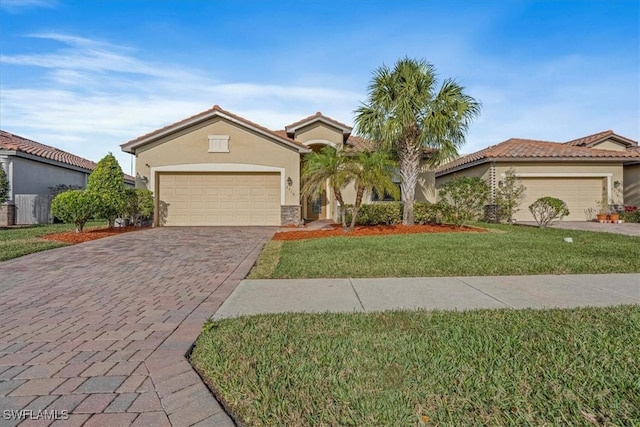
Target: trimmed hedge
column 388, row 213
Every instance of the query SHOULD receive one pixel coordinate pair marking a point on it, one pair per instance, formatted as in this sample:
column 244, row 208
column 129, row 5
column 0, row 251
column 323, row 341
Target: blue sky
column 87, row 75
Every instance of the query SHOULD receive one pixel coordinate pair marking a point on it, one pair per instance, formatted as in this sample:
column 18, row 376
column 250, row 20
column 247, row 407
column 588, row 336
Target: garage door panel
column 578, row 193
column 221, row 198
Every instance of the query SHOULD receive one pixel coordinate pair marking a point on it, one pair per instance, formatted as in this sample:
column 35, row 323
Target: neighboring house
column 216, row 168
column 32, row 168
column 581, row 172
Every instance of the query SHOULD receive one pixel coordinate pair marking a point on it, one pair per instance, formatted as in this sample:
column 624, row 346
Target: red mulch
column 88, row 235
column 375, row 230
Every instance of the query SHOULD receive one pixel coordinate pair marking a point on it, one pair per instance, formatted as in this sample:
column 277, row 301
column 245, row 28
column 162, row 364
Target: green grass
column 16, row 242
column 486, row 367
column 268, row 261
column 505, row 250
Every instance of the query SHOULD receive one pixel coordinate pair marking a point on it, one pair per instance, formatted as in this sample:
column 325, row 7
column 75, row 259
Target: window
column 218, row 143
column 375, row 197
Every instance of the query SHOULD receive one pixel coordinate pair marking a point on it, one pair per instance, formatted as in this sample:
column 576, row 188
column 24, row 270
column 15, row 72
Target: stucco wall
column 191, row 146
column 632, row 185
column 31, row 177
column 481, row 171
column 609, row 144
column 319, row 131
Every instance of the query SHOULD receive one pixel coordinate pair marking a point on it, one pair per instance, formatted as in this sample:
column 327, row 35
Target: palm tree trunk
column 409, row 157
column 343, row 219
column 356, row 207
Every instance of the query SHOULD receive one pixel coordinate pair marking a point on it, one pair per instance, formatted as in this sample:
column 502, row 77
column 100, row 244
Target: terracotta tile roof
column 590, row 140
column 318, row 116
column 516, row 148
column 13, row 142
column 205, row 114
column 9, row 141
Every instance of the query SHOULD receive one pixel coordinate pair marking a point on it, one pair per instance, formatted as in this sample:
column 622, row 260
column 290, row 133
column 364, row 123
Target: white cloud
column 93, row 95
column 16, row 5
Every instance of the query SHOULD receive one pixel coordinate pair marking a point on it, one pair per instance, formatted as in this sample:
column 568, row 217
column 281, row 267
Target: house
column 217, row 168
column 32, row 169
column 601, row 167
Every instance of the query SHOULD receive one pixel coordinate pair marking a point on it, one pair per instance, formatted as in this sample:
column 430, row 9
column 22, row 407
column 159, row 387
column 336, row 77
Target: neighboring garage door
column 219, row 198
column 578, row 193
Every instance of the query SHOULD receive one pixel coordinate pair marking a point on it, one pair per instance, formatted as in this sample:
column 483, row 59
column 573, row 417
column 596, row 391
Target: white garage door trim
column 609, row 177
column 220, row 167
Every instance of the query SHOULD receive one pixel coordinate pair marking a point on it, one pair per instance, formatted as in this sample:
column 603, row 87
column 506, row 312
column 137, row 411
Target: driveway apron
column 98, row 332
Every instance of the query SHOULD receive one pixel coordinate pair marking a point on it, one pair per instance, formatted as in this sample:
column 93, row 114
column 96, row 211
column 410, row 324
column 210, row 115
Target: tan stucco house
column 217, row 168
column 601, row 167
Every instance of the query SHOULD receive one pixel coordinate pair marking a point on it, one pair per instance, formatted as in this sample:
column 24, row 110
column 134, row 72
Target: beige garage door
column 578, row 193
column 219, row 198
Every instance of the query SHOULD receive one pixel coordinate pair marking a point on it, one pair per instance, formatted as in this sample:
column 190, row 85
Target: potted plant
column 603, row 211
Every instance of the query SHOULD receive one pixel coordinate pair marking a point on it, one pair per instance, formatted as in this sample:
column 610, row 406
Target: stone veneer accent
column 7, row 214
column 492, row 213
column 290, row 214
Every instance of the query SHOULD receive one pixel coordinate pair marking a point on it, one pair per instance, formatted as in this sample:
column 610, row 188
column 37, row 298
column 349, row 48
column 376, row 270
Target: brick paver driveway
column 101, row 329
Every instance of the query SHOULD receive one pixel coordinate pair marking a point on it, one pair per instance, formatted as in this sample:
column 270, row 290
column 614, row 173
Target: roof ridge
column 19, row 143
column 318, row 114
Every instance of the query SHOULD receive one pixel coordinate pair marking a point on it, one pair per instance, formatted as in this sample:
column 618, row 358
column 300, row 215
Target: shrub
column 630, row 214
column 75, row 206
column 139, row 204
column 61, row 188
column 377, row 213
column 509, row 195
column 429, row 213
column 547, row 210
column 107, row 182
column 463, row 198
column 4, row 186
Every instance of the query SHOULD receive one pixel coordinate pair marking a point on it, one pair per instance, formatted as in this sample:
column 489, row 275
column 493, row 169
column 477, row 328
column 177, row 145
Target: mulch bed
column 375, row 230
column 88, row 235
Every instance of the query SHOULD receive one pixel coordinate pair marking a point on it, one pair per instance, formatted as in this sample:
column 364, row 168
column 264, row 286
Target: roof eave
column 131, row 146
column 292, row 129
column 624, row 160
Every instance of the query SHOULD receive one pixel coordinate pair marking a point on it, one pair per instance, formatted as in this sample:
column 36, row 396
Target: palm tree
column 327, row 165
column 373, row 172
column 407, row 114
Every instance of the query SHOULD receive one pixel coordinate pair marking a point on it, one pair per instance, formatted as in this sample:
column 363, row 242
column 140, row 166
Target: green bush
column 4, row 186
column 631, row 216
column 75, row 206
column 377, row 213
column 464, row 198
column 139, row 204
column 547, row 210
column 429, row 213
column 107, row 181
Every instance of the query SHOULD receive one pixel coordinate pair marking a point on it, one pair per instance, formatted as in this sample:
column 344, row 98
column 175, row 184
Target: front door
column 316, row 207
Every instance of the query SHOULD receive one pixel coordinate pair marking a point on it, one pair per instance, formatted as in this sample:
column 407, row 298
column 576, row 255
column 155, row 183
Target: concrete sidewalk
column 455, row 293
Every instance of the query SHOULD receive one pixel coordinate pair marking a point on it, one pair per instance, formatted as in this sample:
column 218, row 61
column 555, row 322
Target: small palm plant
column 328, row 165
column 374, row 171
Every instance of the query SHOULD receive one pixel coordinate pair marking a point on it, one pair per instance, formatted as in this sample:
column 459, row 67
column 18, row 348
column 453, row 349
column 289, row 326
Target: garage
column 204, row 199
column 578, row 193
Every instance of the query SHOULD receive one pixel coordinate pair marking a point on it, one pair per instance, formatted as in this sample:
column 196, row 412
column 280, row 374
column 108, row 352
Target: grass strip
column 507, row 250
column 485, row 367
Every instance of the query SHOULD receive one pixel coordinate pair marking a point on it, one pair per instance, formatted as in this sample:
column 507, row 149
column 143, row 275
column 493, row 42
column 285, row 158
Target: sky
column 86, row 76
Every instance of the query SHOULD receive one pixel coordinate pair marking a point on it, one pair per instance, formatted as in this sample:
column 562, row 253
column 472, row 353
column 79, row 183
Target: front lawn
column 16, row 242
column 504, row 250
column 485, row 367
